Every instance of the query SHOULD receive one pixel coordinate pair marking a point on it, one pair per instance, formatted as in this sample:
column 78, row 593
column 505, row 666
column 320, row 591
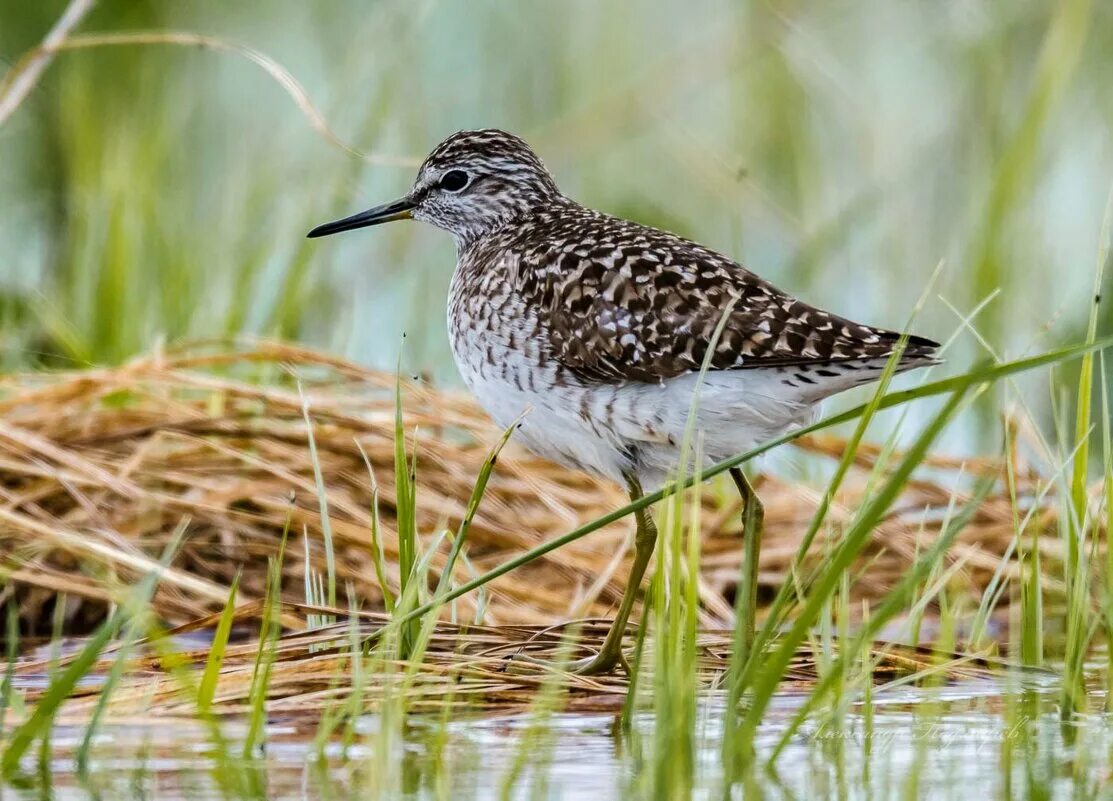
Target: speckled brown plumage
column 624, row 302
column 600, row 325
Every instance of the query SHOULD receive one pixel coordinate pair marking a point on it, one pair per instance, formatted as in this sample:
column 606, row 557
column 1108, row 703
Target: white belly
column 509, row 384
column 614, row 429
column 735, row 411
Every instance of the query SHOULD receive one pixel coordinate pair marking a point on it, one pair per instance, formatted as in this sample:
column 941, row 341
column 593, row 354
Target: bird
column 599, row 327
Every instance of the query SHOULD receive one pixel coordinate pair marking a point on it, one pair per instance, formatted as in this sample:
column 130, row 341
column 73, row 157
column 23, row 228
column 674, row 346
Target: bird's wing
column 637, row 304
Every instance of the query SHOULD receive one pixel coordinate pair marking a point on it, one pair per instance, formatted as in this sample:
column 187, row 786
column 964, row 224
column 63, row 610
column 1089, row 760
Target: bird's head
column 472, row 183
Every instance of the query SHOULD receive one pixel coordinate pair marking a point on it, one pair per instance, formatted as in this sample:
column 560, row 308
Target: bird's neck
column 510, row 229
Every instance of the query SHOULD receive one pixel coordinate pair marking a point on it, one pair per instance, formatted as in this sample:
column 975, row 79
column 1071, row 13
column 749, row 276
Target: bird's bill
column 401, row 209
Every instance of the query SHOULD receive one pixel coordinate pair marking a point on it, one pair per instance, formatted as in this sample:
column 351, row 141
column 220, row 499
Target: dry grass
column 98, row 467
column 465, row 667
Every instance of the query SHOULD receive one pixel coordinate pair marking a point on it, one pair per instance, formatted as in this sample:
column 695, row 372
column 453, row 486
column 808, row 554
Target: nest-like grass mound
column 99, row 467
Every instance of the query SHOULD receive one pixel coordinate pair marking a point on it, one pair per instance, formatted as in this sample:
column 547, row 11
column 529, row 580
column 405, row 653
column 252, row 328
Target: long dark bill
column 388, row 212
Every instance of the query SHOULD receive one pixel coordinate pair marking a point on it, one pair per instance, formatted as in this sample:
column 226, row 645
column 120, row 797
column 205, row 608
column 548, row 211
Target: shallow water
column 950, row 742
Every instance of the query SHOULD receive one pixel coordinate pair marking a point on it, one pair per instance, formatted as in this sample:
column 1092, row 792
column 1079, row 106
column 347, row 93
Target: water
column 974, row 739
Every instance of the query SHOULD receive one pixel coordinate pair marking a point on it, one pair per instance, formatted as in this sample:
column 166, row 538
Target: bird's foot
column 600, row 664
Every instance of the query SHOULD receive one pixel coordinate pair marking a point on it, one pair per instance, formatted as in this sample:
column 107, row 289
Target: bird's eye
column 454, row 180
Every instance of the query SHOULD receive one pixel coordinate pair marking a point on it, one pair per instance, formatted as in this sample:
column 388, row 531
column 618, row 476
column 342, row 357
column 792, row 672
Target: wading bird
column 600, row 326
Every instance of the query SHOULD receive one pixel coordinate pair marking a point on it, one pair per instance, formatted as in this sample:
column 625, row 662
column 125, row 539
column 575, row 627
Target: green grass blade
column 406, row 520
column 473, row 505
column 853, row 541
column 894, row 602
column 215, row 659
column 378, row 558
column 269, row 631
column 322, row 500
column 1107, row 496
column 741, row 672
column 12, row 652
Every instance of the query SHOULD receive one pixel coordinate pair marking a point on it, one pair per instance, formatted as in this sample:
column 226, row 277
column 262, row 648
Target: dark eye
column 454, row 180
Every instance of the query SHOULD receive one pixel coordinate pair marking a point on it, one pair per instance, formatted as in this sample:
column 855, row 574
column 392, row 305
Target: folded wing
column 646, row 310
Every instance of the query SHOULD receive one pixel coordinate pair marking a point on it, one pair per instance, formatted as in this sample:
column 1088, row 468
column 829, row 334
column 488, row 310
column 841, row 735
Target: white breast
column 508, row 382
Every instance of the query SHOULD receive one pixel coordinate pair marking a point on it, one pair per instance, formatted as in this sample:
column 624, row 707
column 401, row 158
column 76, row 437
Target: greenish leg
column 753, row 520
column 645, row 539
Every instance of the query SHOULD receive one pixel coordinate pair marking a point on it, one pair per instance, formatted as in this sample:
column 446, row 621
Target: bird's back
column 625, row 302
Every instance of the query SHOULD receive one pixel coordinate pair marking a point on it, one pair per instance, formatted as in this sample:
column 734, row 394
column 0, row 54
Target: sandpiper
column 599, row 326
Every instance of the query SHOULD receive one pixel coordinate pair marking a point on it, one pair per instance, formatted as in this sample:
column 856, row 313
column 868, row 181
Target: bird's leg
column 753, row 520
column 645, row 538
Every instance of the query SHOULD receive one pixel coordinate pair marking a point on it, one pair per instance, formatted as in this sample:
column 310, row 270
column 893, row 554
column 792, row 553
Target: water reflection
column 968, row 740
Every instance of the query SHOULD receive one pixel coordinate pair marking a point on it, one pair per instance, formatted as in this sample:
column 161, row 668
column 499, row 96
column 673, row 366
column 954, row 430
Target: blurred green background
column 842, row 150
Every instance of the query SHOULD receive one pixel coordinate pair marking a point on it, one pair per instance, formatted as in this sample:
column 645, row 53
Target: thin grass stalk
column 378, row 557
column 132, row 632
column 1083, row 426
column 999, row 581
column 675, row 606
column 11, row 632
column 472, row 508
column 269, row 630
column 260, row 680
column 533, row 754
column 855, row 538
column 1031, row 590
column 278, row 73
column 855, row 648
column 232, row 778
column 744, row 661
column 227, row 778
column 1081, row 627
column 406, row 517
column 215, row 659
column 322, row 501
column 359, row 676
column 22, row 77
column 1107, row 494
column 739, row 678
column 1075, row 523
